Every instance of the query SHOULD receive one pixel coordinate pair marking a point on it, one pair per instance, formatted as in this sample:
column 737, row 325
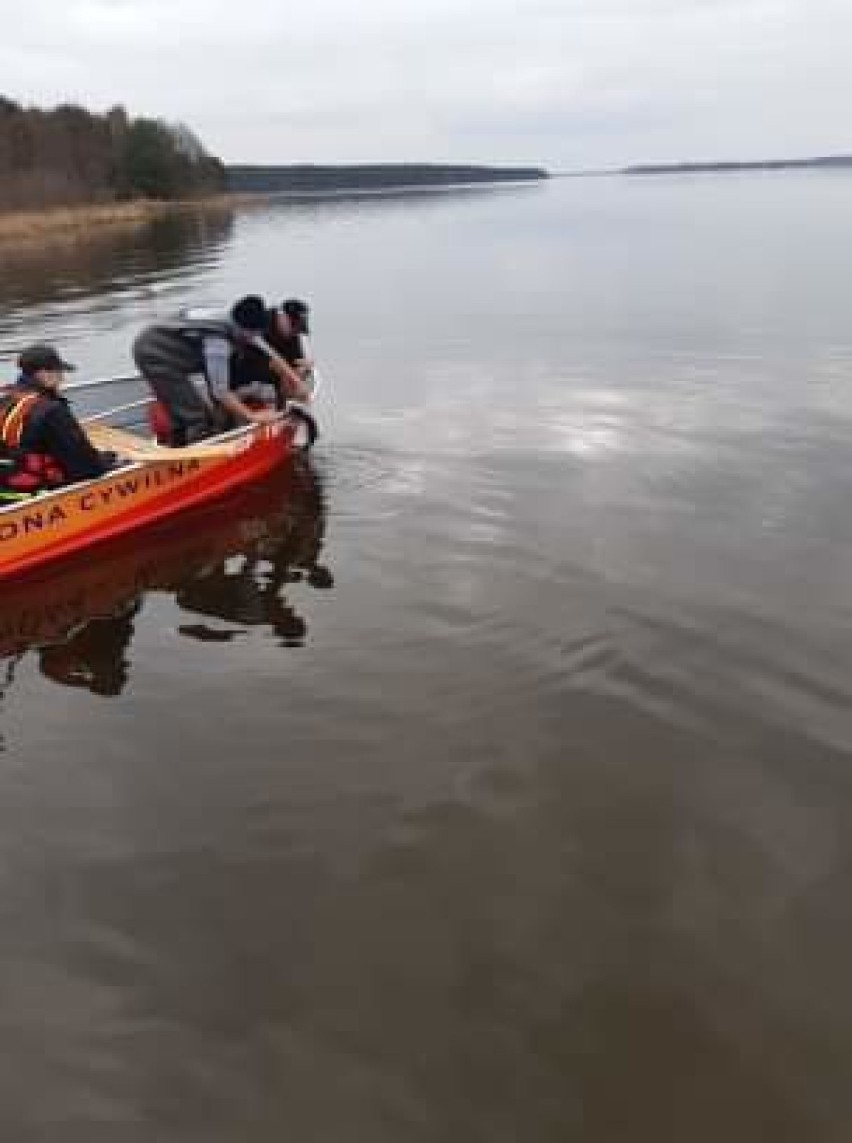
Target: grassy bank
column 77, row 221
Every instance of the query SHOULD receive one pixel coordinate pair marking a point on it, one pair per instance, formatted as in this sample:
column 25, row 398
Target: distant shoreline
column 306, row 178
column 72, row 223
column 827, row 162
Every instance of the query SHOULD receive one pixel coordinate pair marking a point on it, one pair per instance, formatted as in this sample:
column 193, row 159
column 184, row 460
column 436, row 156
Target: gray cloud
column 569, row 83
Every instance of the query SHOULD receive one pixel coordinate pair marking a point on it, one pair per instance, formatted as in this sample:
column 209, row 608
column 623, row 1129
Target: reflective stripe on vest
column 15, row 419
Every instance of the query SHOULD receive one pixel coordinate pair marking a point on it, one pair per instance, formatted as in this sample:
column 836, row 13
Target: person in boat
column 189, row 364
column 284, row 333
column 42, row 444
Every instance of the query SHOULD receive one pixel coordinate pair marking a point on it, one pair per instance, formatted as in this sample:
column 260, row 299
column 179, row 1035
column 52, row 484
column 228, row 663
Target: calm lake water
column 485, row 777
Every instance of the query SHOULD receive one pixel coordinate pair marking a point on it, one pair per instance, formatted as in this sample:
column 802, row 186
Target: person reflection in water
column 235, row 568
column 251, row 592
column 94, row 657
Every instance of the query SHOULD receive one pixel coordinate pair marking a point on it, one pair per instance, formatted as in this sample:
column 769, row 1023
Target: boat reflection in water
column 231, row 560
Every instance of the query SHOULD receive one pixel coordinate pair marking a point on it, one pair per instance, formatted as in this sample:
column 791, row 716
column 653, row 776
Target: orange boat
column 277, row 522
column 154, row 483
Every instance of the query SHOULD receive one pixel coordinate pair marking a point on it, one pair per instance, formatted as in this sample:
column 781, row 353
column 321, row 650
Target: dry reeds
column 72, row 222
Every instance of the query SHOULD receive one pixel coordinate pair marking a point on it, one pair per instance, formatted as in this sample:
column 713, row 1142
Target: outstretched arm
column 292, row 381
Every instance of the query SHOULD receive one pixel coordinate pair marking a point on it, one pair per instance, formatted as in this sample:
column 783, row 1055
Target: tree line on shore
column 310, row 178
column 68, row 156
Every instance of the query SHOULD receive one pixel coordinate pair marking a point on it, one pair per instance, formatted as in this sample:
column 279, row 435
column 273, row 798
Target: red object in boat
column 159, row 422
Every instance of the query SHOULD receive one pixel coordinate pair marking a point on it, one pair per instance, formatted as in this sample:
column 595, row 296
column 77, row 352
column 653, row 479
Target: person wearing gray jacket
column 187, row 362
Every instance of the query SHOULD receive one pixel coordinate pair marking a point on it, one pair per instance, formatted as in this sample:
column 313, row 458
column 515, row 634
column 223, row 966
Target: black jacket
column 52, row 428
column 250, row 365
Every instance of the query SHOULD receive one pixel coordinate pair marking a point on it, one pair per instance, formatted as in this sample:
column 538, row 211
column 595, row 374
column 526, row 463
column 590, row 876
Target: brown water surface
column 486, row 775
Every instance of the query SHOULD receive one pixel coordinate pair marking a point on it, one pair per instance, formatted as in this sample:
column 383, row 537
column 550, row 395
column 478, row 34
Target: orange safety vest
column 24, row 470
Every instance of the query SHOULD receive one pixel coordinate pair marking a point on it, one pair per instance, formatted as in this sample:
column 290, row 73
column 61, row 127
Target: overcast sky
column 570, row 84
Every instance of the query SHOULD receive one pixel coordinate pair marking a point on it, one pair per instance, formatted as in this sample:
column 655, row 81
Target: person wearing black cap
column 187, row 361
column 289, row 327
column 42, row 444
column 255, row 364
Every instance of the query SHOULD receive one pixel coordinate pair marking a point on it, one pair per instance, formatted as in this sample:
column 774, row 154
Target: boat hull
column 57, row 524
column 280, row 513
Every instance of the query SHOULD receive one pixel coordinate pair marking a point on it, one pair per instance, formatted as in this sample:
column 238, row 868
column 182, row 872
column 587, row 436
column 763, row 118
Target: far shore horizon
column 838, row 161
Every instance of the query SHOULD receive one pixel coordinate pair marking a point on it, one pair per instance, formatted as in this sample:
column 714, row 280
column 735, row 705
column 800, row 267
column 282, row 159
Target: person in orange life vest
column 42, row 444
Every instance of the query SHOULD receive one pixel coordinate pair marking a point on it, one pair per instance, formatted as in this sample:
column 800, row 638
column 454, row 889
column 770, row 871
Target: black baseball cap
column 250, row 314
column 298, row 312
column 36, row 357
